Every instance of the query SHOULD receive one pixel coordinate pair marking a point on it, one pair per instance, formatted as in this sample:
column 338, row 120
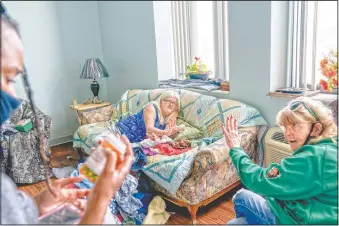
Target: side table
column 91, row 113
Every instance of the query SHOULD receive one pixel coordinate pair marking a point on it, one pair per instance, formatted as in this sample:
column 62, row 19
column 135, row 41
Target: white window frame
column 181, row 14
column 303, row 22
column 221, row 42
column 184, row 28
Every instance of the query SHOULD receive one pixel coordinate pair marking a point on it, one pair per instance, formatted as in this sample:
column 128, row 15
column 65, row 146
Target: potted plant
column 329, row 69
column 198, row 70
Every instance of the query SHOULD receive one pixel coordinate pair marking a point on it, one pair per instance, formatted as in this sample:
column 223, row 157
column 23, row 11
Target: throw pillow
column 188, row 133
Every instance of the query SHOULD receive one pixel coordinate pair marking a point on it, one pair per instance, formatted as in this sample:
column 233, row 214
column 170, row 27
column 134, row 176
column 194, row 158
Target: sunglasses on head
column 296, row 105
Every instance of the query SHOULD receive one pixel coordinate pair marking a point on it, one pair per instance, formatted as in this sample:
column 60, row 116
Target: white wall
column 163, row 36
column 250, row 56
column 44, row 59
column 58, row 37
column 128, row 44
column 80, row 30
column 279, row 41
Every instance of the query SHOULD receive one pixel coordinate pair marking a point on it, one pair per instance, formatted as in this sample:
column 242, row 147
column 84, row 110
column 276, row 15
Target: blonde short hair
column 301, row 114
column 169, row 94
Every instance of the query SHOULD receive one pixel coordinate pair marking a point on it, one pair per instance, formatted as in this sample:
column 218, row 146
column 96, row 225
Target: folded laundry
column 208, row 85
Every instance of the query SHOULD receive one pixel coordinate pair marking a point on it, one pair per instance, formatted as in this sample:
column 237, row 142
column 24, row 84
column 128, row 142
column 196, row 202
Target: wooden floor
column 217, row 212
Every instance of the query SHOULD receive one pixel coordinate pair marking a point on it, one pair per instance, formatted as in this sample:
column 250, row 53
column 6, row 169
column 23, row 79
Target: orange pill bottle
column 95, row 163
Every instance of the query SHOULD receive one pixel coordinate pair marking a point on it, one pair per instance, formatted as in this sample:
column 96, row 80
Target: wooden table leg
column 79, row 119
column 193, row 212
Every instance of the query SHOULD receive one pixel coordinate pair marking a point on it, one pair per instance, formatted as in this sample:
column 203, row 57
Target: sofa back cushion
column 188, row 133
column 206, row 113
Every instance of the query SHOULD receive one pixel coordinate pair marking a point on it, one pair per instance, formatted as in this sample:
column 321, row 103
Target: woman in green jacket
column 303, row 188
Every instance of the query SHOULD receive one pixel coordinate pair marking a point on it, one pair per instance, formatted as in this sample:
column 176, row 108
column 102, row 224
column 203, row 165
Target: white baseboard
column 61, row 140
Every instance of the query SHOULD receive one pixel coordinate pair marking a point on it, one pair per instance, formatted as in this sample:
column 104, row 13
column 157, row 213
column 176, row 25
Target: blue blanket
column 208, row 85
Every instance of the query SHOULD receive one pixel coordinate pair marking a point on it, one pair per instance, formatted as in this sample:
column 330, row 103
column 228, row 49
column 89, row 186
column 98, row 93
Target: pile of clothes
column 163, row 146
column 131, row 201
column 130, row 204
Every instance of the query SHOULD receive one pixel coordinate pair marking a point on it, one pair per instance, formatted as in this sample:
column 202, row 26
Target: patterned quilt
column 206, row 113
column 212, row 170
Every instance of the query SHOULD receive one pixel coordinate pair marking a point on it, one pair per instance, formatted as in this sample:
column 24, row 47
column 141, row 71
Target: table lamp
column 94, row 69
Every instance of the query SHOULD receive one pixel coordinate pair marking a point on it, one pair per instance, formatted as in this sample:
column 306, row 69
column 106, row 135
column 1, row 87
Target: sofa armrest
column 210, row 156
column 216, row 153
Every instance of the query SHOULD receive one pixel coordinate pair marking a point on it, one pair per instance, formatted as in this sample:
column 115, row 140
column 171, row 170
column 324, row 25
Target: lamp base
column 97, row 100
column 95, row 87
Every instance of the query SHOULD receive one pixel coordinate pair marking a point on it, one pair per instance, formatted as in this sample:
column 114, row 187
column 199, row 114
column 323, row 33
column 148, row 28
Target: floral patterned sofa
column 201, row 175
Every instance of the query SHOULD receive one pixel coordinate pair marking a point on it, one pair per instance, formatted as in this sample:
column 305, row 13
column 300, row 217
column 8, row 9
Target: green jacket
column 306, row 189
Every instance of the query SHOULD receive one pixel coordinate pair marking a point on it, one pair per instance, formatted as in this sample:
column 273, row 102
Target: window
column 313, row 33
column 326, row 33
column 202, row 37
column 200, row 30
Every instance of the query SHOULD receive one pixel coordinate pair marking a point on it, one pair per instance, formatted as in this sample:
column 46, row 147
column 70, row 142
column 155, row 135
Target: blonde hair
column 169, row 94
column 301, row 114
column 164, row 96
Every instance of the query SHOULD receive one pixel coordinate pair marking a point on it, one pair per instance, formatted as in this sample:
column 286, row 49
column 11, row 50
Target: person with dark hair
column 16, row 206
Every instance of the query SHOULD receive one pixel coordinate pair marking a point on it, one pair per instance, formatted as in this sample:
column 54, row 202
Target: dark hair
column 6, row 18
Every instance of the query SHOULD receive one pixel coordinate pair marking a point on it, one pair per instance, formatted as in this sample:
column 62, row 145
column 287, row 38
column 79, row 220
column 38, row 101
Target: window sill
column 311, row 94
column 221, row 94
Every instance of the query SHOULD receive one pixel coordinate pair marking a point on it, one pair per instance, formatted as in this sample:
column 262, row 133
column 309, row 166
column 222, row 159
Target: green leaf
column 198, row 67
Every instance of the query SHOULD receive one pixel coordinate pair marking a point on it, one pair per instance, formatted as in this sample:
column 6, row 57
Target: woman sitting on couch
column 303, row 188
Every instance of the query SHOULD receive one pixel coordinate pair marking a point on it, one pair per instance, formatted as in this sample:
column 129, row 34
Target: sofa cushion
column 188, row 133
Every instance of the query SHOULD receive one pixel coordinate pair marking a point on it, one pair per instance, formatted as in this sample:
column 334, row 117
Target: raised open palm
column 232, row 136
